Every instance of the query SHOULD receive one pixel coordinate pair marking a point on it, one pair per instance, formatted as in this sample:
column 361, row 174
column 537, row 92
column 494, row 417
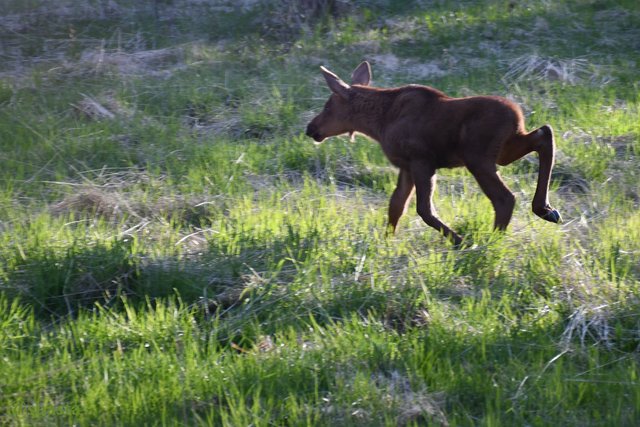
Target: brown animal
column 421, row 130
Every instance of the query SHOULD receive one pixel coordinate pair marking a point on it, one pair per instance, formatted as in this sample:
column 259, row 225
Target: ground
column 175, row 251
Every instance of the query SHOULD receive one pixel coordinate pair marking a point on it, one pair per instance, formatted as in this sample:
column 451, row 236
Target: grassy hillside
column 174, row 250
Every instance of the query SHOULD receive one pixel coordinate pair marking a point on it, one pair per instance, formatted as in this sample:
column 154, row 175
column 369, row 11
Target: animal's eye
column 327, row 108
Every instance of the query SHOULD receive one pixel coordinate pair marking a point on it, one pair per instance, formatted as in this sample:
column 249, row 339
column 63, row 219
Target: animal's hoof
column 553, row 216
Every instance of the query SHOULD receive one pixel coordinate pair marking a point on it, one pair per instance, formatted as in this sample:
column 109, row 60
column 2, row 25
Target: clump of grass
column 535, row 67
column 118, row 207
column 175, row 250
column 94, row 202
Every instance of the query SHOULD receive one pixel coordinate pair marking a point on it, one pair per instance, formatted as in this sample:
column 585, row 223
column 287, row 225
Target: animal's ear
column 361, row 75
column 336, row 85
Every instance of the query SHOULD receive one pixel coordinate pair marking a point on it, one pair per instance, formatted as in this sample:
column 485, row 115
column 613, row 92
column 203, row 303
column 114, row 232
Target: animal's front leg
column 424, row 177
column 400, row 199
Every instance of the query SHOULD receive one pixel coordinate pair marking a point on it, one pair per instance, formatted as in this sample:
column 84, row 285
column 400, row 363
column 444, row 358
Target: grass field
column 174, row 250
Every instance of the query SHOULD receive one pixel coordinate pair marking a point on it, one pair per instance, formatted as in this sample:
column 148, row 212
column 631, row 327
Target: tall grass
column 175, row 251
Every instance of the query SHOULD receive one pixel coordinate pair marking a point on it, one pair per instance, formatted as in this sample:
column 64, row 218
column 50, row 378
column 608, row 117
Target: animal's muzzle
column 313, row 132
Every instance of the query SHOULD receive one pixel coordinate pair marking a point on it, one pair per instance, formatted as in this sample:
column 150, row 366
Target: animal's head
column 335, row 118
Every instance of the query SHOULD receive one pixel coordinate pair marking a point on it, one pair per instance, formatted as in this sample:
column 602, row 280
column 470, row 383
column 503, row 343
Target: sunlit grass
column 174, row 250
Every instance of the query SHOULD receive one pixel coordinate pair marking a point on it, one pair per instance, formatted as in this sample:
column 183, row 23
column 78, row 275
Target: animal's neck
column 368, row 111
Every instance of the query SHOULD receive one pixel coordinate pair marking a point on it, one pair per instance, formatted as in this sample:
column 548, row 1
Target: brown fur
column 420, row 130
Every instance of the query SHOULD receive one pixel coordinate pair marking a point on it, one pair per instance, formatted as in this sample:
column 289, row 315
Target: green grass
column 189, row 257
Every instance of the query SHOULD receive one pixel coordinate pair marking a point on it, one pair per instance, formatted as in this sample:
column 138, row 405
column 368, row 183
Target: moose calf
column 421, row 129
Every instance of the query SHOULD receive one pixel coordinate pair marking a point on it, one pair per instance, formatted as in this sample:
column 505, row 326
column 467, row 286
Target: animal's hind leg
column 540, row 141
column 501, row 197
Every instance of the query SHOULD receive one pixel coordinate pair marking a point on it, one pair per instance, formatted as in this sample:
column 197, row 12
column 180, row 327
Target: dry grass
column 392, row 390
column 93, row 201
column 535, row 67
column 201, row 214
column 390, row 63
column 117, row 205
column 154, row 63
column 415, row 406
column 590, row 325
column 93, row 109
